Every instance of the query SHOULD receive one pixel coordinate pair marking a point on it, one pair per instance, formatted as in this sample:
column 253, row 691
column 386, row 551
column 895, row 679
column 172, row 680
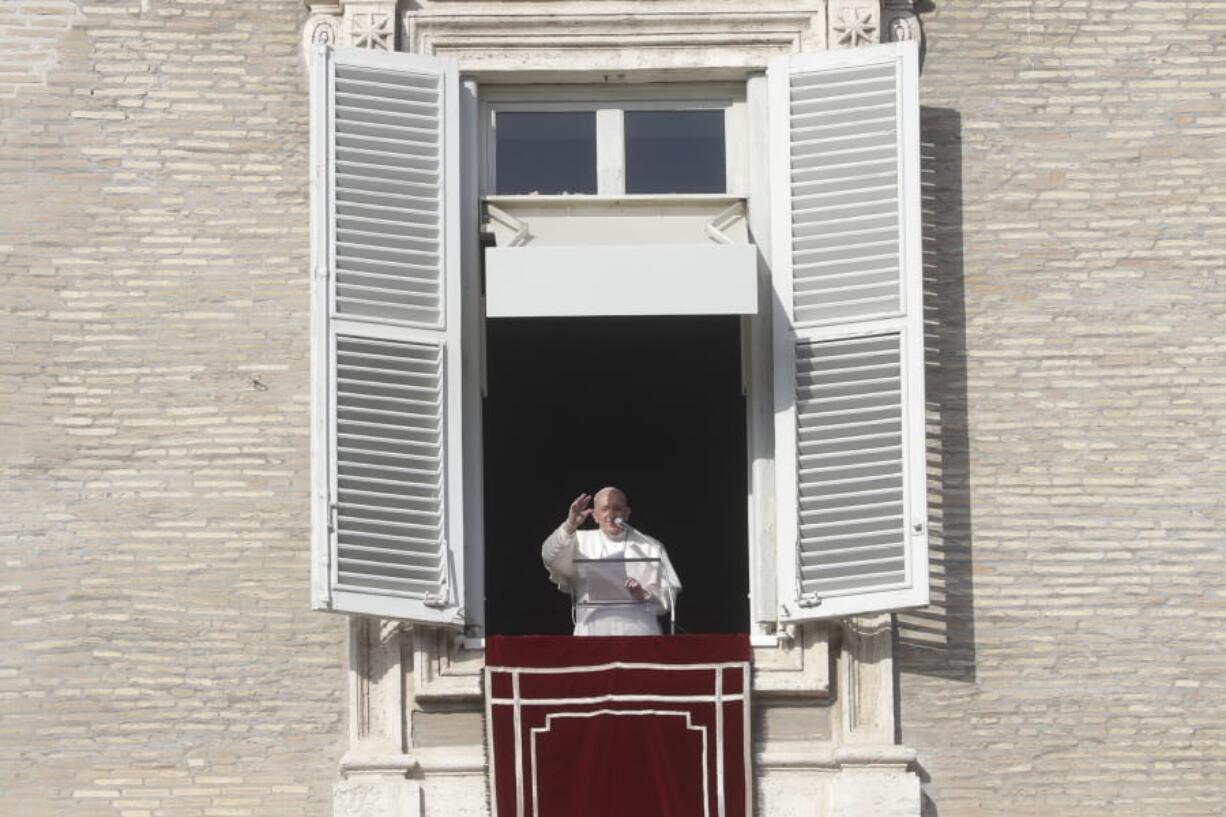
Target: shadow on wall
column 920, row 8
column 939, row 640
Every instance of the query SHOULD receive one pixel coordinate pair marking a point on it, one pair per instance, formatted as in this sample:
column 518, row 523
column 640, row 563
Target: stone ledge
column 452, row 760
column 422, row 761
column 832, row 758
column 370, row 764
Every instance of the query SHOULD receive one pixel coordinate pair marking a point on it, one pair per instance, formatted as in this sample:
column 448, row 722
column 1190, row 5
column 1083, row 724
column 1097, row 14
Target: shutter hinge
column 321, row 272
column 331, row 518
column 808, row 600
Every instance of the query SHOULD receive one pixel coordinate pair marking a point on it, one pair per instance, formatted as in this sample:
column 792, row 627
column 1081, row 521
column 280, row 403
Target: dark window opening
column 652, row 405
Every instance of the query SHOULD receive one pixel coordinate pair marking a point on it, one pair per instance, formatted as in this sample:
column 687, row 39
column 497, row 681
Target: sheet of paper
column 603, row 581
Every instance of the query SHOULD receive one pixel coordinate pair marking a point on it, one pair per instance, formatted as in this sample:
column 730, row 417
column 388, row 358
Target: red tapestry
column 654, row 726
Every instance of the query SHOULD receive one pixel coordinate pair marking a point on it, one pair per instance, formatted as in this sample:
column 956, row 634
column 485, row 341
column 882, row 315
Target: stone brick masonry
column 1077, row 662
column 158, row 655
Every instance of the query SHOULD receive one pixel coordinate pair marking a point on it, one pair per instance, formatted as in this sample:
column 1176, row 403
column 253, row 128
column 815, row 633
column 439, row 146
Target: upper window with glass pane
column 674, row 152
column 611, row 148
column 546, row 152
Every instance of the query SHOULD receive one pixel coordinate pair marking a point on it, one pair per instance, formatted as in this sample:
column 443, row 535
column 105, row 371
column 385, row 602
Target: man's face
column 609, row 506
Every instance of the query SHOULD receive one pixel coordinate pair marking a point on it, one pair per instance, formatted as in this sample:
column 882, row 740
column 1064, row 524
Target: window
column 669, row 387
column 549, row 152
column 396, row 355
column 674, row 152
column 612, row 142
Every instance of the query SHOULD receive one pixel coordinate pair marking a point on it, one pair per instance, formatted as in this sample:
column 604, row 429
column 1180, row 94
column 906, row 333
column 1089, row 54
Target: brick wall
column 1076, row 661
column 159, row 658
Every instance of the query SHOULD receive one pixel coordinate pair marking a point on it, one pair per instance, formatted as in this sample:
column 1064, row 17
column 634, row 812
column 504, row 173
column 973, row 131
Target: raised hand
column 580, row 510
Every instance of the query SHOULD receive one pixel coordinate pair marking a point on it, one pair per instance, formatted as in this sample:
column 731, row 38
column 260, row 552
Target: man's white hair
column 609, row 489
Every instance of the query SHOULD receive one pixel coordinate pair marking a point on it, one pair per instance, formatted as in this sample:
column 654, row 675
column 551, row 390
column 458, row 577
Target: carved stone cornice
column 612, row 36
column 521, row 36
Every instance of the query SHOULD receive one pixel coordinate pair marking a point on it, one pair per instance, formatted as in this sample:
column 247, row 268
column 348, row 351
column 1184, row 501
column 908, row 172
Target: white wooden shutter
column 387, row 505
column 849, row 402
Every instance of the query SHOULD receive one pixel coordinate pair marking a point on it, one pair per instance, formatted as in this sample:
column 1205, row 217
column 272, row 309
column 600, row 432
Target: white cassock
column 658, row 578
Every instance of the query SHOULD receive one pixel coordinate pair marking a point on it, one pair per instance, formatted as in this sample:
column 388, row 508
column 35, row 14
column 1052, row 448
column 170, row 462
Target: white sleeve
column 558, row 554
column 670, row 584
column 662, row 583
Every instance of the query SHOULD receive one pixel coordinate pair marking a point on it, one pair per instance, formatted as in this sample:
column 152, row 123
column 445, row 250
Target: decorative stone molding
column 798, row 666
column 333, row 7
column 383, row 774
column 323, row 29
column 854, row 23
column 378, row 730
column 371, row 25
column 875, row 778
column 867, row 681
column 444, row 668
column 446, row 676
column 352, row 22
column 901, row 21
column 613, row 37
column 552, row 35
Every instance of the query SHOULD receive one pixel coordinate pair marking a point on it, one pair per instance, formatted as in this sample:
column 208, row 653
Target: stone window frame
column 610, row 103
column 729, row 41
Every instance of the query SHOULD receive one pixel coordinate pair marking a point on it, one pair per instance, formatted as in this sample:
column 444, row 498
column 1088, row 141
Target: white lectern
column 602, row 583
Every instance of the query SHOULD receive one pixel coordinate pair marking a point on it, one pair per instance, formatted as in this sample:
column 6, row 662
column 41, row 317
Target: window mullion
column 610, row 152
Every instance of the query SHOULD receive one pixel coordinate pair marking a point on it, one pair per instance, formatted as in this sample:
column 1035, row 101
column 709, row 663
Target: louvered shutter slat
column 850, row 456
column 382, row 273
column 357, row 188
column 416, row 236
